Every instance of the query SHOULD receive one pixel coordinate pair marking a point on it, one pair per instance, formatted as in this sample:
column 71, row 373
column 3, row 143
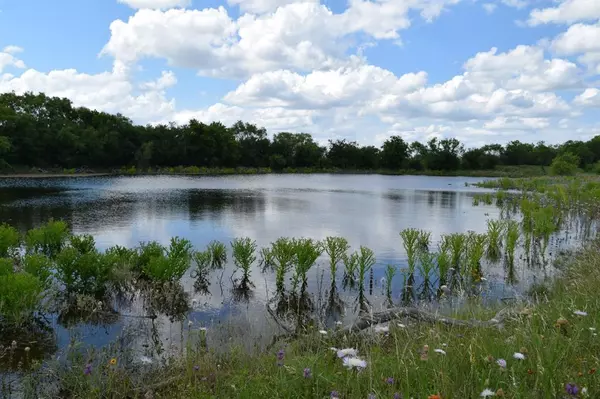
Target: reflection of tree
column 168, row 298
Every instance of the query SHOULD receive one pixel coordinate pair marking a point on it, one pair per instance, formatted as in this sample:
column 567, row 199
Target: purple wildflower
column 307, row 373
column 397, row 395
column 196, row 368
column 334, row 395
column 88, row 369
column 371, row 396
column 390, row 380
column 572, row 389
column 280, row 356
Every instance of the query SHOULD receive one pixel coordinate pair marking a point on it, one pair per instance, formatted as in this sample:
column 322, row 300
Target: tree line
column 41, row 131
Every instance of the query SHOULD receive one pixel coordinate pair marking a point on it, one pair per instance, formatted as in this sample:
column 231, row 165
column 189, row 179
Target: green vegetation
column 48, row 132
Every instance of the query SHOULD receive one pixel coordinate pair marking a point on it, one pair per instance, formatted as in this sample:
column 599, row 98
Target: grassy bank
column 555, row 332
column 500, row 171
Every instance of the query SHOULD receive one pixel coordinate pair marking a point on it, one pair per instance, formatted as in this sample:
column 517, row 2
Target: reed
column 218, row 254
column 494, row 242
column 476, row 244
column 410, row 240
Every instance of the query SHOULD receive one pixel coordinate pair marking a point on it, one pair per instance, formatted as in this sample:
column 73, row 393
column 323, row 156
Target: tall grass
column 476, row 244
column 218, row 253
column 410, row 240
column 336, row 248
column 283, row 252
column 244, row 255
column 494, row 242
column 512, row 237
column 307, row 252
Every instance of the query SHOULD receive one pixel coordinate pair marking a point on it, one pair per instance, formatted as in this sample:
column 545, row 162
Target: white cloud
column 515, row 3
column 580, row 39
column 301, row 36
column 589, row 98
column 567, row 12
column 489, row 7
column 108, row 91
column 158, row 4
column 262, row 6
column 7, row 58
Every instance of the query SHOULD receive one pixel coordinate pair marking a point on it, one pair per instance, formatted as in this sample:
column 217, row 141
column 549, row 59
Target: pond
column 368, row 210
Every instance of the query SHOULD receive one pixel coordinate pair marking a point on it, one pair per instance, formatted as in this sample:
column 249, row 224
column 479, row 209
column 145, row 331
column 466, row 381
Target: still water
column 367, row 210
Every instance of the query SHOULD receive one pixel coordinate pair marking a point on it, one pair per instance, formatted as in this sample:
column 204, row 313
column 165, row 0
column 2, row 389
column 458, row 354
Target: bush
column 564, row 164
column 20, row 297
column 48, row 239
column 9, row 240
column 38, row 265
column 86, row 273
column 160, row 264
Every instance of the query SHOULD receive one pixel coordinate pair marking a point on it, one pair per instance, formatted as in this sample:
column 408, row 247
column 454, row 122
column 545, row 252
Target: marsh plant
column 243, row 256
column 512, row 237
column 167, row 265
column 366, row 260
column 307, row 252
column 267, row 261
column 10, row 240
column 443, row 263
column 21, row 296
column 494, row 242
column 475, row 251
column 544, row 225
column 350, row 269
column 203, row 265
column 282, row 254
column 456, row 243
column 426, row 264
column 336, row 248
column 218, row 254
column 424, row 240
column 410, row 241
column 390, row 272
column 48, row 239
column 83, row 243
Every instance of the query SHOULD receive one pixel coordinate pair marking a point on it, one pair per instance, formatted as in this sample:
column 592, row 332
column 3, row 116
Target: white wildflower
column 401, row 325
column 444, row 344
column 347, row 352
column 322, row 332
column 592, row 329
column 487, row 392
column 352, row 362
column 584, row 391
column 518, row 355
column 190, row 323
column 145, row 360
column 338, row 323
column 382, row 329
column 203, row 328
column 440, row 351
column 580, row 313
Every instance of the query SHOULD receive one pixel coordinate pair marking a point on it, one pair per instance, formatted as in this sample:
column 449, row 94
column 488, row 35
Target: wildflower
column 592, row 371
column 390, row 380
column 113, row 361
column 580, row 313
column 500, row 392
column 530, row 371
column 334, row 395
column 487, row 392
column 352, row 362
column 322, row 332
column 382, row 329
column 440, row 351
column 27, row 349
column 307, row 373
column 561, row 321
column 13, row 345
column 371, row 396
column 490, row 358
column 202, row 328
column 401, row 325
column 592, row 329
column 572, row 389
column 88, row 369
column 501, row 363
column 347, row 352
column 584, row 391
column 280, row 356
column 523, row 349
column 397, row 395
column 145, row 359
column 338, row 323
column 436, row 396
column 196, row 368
column 518, row 355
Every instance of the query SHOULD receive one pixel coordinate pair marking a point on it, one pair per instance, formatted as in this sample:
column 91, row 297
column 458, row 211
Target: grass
column 559, row 346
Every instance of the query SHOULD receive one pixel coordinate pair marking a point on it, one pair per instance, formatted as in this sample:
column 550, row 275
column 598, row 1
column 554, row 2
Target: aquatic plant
column 512, row 236
column 83, row 243
column 283, row 253
column 410, row 240
column 9, row 240
column 267, row 260
column 20, row 297
column 443, row 263
column 336, row 248
column 426, row 264
column 38, row 265
column 424, row 239
column 366, row 260
column 307, row 252
column 544, row 225
column 475, row 251
column 390, row 272
column 48, row 239
column 350, row 269
column 243, row 255
column 218, row 254
column 161, row 264
column 494, row 242
column 85, row 274
column 456, row 242
column 203, row 261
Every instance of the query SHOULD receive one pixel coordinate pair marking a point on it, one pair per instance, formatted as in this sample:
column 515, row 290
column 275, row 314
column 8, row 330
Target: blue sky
column 360, row 70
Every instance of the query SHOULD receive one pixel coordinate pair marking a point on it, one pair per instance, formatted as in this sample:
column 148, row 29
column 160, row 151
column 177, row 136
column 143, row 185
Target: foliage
column 336, row 248
column 410, row 240
column 83, row 273
column 283, row 253
column 48, row 239
column 218, row 253
column 165, row 265
column 243, row 255
column 307, row 252
column 20, row 297
column 9, row 240
column 44, row 131
column 564, row 164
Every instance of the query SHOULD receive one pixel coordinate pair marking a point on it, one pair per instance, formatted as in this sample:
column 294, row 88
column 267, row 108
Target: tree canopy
column 41, row 131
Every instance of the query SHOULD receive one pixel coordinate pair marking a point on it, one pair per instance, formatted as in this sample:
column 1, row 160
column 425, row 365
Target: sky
column 483, row 71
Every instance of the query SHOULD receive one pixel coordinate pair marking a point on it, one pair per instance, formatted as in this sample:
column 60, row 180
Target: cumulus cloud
column 300, row 36
column 8, row 59
column 107, row 91
column 159, row 4
column 566, row 12
column 583, row 40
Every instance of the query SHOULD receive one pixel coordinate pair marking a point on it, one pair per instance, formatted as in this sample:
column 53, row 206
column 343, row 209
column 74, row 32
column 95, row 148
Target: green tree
column 564, row 164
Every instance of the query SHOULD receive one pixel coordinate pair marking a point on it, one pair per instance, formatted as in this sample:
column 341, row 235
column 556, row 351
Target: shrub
column 20, row 297
column 48, row 239
column 564, row 164
column 9, row 240
column 38, row 265
column 85, row 274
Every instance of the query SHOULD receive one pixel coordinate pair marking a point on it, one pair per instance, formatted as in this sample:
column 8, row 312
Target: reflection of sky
column 366, row 210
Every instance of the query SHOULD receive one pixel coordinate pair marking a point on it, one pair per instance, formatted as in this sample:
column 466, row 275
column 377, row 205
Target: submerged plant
column 266, row 259
column 282, row 253
column 218, row 254
column 544, row 225
column 336, row 248
column 203, row 261
column 307, row 252
column 494, row 242
column 243, row 255
column 410, row 240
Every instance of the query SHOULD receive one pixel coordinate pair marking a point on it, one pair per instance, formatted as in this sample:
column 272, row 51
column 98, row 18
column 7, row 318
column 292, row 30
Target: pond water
column 367, row 210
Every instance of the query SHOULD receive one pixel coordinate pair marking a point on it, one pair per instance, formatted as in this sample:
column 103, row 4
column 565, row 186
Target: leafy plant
column 83, row 243
column 366, row 260
column 48, row 239
column 424, row 239
column 85, row 274
column 20, row 297
column 456, row 242
column 283, row 253
column 307, row 252
column 494, row 242
column 243, row 255
column 336, row 248
column 40, row 266
column 512, row 236
column 350, row 268
column 218, row 253
column 9, row 240
column 426, row 264
column 390, row 272
column 410, row 240
column 475, row 251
